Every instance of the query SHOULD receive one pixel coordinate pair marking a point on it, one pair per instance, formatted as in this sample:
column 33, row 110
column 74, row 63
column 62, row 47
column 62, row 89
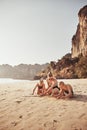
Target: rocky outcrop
column 79, row 40
column 73, row 65
column 66, row 68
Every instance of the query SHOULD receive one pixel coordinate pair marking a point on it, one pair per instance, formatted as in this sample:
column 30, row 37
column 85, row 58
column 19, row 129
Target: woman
column 40, row 87
column 53, row 88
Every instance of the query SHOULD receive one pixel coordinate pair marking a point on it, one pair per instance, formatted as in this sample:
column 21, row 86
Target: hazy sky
column 37, row 31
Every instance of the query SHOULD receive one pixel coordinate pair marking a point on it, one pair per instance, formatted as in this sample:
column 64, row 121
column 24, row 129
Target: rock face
column 72, row 65
column 79, row 40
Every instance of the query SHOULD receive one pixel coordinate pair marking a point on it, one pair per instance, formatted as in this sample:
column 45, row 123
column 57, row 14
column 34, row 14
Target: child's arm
column 70, row 94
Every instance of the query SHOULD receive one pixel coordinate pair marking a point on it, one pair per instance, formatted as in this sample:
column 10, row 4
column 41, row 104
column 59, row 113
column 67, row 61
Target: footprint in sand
column 2, row 99
column 75, row 128
column 82, row 115
column 20, row 116
column 30, row 114
column 51, row 124
column 18, row 102
column 14, row 123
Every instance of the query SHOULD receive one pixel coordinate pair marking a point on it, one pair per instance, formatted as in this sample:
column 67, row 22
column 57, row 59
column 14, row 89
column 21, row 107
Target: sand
column 19, row 110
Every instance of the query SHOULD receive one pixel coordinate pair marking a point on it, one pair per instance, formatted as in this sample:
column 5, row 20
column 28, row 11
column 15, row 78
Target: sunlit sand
column 19, row 110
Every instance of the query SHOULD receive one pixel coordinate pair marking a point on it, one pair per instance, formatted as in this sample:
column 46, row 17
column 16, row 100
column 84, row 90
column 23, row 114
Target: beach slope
column 19, row 110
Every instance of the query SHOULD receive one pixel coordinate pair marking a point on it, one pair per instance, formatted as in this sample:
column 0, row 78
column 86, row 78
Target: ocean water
column 9, row 80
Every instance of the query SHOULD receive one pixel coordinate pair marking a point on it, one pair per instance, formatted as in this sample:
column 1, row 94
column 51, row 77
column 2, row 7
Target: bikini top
column 40, row 86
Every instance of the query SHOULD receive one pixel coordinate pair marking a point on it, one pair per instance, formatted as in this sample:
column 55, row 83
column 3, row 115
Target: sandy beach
column 19, row 110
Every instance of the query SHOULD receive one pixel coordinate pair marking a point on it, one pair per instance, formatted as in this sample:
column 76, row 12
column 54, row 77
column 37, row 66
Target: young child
column 66, row 90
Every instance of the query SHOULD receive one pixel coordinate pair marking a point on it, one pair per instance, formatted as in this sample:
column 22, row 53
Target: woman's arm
column 35, row 88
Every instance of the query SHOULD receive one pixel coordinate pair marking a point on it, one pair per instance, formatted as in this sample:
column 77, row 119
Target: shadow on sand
column 80, row 97
column 77, row 97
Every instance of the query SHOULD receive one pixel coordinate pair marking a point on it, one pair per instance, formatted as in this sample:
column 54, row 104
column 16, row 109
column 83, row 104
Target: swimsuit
column 67, row 92
column 56, row 87
column 40, row 87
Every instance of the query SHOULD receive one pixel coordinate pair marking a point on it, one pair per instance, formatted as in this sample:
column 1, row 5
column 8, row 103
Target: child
column 66, row 90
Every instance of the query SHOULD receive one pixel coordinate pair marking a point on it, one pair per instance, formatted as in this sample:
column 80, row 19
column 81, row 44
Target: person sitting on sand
column 66, row 90
column 40, row 87
column 53, row 88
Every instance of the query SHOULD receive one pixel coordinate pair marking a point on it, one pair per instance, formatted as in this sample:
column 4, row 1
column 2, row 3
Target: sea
column 9, row 80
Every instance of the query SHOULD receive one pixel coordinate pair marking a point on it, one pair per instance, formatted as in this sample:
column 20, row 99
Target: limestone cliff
column 79, row 40
column 72, row 65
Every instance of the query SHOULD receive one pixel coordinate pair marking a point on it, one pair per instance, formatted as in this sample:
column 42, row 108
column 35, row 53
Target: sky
column 37, row 31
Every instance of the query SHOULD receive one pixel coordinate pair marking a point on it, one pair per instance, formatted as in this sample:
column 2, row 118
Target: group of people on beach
column 55, row 89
